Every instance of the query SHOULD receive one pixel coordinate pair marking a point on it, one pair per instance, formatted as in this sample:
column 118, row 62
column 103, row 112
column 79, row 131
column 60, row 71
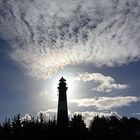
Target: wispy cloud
column 104, row 83
column 105, row 103
column 48, row 35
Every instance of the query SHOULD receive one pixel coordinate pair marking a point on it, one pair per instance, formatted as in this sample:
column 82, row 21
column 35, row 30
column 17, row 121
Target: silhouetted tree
column 114, row 128
column 7, row 128
column 29, row 127
column 16, row 126
column 100, row 128
column 129, row 128
column 41, row 118
column 1, row 130
column 78, row 127
column 51, row 129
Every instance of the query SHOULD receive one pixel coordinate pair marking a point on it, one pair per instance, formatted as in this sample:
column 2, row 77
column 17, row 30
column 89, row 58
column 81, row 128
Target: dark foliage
column 100, row 128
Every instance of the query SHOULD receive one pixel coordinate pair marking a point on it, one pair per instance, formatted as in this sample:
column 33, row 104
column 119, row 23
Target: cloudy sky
column 94, row 44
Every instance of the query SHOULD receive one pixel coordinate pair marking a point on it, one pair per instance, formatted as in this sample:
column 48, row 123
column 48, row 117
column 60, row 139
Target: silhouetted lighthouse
column 62, row 114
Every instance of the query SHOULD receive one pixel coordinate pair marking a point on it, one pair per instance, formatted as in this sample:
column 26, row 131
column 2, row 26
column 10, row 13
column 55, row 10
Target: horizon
column 93, row 44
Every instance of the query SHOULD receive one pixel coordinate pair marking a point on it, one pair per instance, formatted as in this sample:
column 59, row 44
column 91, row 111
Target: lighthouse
column 62, row 113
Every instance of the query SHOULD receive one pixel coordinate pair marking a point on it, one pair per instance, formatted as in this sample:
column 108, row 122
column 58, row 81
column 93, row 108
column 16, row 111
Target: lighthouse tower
column 62, row 114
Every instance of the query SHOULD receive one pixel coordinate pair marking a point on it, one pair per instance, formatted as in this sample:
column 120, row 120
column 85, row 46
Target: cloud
column 46, row 36
column 138, row 113
column 89, row 115
column 51, row 113
column 48, row 114
column 43, row 92
column 104, row 83
column 26, row 117
column 105, row 103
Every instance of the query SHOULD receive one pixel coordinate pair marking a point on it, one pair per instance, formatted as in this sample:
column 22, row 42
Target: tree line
column 100, row 128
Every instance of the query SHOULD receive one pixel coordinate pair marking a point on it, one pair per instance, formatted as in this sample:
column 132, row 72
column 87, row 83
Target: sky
column 94, row 44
